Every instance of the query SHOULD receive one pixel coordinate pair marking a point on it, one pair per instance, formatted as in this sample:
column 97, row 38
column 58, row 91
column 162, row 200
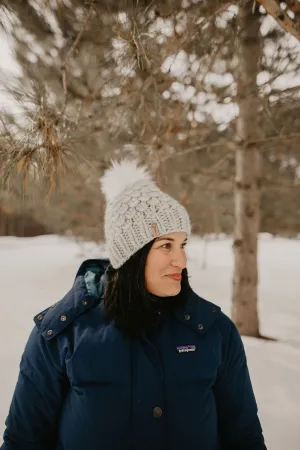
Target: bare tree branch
column 289, row 25
column 197, row 148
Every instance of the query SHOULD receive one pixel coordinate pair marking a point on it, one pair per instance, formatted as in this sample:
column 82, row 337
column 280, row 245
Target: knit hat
column 137, row 211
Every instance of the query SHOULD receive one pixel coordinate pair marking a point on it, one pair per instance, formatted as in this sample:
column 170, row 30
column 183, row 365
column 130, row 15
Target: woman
column 131, row 358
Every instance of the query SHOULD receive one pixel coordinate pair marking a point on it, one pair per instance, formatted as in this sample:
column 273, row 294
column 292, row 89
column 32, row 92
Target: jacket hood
column 93, row 271
column 93, row 265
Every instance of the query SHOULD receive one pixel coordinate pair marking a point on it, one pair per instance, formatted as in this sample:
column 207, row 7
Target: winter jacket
column 83, row 385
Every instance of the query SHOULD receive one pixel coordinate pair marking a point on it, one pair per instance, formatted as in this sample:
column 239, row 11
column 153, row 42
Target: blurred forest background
column 154, row 79
column 206, row 93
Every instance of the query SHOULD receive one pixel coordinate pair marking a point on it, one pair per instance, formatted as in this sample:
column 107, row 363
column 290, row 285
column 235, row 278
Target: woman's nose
column 179, row 260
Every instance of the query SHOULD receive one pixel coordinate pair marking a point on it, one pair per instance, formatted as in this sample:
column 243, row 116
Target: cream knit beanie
column 137, row 211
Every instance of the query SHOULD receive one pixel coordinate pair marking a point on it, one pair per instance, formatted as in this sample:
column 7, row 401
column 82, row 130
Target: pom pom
column 120, row 176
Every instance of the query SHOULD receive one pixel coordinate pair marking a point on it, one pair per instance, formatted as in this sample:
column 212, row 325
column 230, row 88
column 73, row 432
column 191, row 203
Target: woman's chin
column 172, row 292
column 167, row 291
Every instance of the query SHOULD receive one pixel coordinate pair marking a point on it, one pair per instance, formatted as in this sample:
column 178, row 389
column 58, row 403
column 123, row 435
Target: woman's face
column 165, row 263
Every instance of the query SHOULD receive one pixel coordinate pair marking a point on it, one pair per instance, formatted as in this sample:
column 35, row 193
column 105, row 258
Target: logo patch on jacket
column 185, row 348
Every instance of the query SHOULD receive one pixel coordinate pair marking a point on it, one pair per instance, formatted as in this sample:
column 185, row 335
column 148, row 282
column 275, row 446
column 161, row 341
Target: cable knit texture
column 138, row 214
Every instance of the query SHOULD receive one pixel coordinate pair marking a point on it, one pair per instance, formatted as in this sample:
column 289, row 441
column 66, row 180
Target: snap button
column 187, row 317
column 84, row 302
column 40, row 317
column 63, row 318
column 200, row 326
column 157, row 412
column 214, row 309
column 50, row 332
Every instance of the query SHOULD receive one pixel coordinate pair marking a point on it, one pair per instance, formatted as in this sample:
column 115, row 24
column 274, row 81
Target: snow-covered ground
column 36, row 272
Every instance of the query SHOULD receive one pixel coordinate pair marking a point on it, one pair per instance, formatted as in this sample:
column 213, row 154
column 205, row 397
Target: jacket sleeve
column 32, row 423
column 238, row 423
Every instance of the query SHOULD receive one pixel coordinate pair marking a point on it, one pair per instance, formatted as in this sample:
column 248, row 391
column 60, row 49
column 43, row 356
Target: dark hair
column 127, row 301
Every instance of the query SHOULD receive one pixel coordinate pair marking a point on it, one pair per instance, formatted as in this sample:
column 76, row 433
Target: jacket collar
column 198, row 314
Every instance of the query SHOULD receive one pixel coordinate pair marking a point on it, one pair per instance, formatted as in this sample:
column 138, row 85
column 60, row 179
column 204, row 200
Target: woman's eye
column 169, row 245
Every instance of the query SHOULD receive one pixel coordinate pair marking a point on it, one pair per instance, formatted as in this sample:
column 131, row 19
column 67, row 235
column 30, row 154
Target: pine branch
column 71, row 50
column 40, row 151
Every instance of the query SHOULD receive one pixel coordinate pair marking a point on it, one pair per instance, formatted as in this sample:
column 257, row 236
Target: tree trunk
column 248, row 178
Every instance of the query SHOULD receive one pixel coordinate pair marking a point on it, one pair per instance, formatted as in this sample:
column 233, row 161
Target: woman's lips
column 175, row 276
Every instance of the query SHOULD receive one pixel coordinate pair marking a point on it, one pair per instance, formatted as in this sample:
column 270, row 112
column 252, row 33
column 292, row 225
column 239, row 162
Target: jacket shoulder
column 231, row 339
column 226, row 326
column 54, row 319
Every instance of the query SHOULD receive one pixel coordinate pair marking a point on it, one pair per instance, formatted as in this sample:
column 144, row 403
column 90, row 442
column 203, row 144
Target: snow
column 36, row 272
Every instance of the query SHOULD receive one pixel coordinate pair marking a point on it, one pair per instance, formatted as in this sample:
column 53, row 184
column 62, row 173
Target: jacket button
column 200, row 326
column 40, row 317
column 187, row 317
column 84, row 302
column 63, row 318
column 50, row 332
column 157, row 412
column 214, row 309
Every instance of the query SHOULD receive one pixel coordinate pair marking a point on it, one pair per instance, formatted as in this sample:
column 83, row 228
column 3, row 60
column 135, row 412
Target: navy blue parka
column 84, row 385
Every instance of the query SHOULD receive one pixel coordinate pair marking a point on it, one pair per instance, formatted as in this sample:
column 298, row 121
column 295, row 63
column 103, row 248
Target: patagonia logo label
column 185, row 348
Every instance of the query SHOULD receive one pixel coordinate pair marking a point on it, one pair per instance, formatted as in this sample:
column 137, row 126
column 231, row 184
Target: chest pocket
column 100, row 357
column 192, row 358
